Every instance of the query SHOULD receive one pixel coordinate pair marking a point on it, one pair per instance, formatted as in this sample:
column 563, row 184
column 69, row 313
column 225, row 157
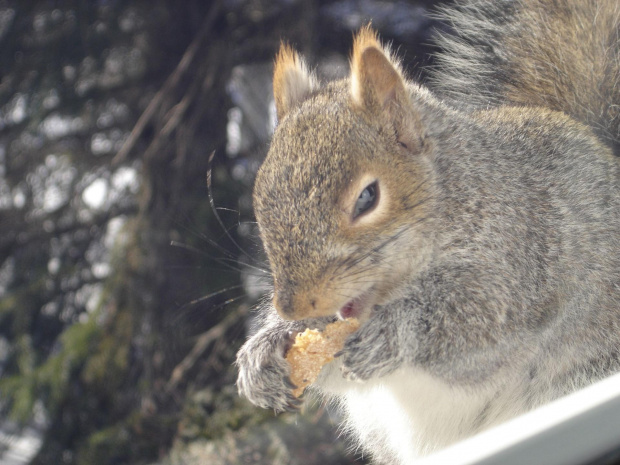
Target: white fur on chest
column 409, row 413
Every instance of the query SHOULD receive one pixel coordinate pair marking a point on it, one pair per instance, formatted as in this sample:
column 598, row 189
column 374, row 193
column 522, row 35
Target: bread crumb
column 313, row 349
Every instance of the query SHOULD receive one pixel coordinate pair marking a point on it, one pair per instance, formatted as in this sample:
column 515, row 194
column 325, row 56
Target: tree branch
column 172, row 81
column 202, row 344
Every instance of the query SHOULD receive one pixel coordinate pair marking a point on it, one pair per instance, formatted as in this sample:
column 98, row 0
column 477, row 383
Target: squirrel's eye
column 366, row 200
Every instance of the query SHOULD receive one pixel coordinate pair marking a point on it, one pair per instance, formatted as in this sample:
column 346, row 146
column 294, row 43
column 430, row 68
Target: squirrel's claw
column 289, row 383
column 294, row 405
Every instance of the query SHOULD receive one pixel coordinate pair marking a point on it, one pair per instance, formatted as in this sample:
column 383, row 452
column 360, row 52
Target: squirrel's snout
column 302, row 305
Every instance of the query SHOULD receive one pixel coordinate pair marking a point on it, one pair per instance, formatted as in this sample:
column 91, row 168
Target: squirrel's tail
column 560, row 54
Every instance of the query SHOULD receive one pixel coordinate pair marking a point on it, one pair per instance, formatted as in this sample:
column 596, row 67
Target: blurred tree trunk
column 91, row 291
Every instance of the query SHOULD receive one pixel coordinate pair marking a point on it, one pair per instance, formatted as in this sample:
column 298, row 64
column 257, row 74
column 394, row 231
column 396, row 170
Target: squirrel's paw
column 264, row 374
column 370, row 352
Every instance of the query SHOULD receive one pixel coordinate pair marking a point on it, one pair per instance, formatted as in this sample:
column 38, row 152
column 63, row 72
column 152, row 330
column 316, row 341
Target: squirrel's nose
column 292, row 305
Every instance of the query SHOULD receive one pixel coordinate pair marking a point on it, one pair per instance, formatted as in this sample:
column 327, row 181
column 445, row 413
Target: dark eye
column 366, row 200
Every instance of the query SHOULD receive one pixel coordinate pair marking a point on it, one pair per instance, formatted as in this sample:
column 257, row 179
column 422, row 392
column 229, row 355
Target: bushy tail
column 560, row 54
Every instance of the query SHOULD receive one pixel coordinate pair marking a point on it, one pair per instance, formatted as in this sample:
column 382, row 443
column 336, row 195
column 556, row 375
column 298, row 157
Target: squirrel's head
column 343, row 195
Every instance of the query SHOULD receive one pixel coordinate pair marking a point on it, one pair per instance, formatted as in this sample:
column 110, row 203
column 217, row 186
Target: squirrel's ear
column 292, row 82
column 376, row 79
column 377, row 84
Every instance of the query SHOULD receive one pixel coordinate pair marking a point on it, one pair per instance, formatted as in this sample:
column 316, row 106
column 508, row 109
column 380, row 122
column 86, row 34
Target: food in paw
column 313, row 349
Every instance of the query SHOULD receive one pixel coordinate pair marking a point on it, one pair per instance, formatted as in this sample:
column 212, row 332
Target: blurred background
column 123, row 296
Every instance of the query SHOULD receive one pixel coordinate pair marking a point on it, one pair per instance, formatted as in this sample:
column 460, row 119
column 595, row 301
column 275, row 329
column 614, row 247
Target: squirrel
column 471, row 224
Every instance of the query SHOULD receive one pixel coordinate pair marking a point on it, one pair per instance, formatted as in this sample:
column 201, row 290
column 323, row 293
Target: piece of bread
column 313, row 349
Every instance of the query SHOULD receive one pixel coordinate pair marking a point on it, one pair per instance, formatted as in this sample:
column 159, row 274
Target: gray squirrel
column 473, row 228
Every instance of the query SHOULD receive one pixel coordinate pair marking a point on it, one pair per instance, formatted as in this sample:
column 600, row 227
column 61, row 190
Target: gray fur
column 493, row 271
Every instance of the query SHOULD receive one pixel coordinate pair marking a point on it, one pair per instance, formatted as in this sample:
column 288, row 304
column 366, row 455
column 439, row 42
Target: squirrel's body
column 477, row 237
column 457, row 392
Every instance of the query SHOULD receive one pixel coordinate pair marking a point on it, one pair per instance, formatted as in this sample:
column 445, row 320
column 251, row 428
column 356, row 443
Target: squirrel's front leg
column 263, row 371
column 453, row 322
column 377, row 349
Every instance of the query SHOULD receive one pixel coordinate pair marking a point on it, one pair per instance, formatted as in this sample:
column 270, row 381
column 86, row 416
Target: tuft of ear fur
column 378, row 86
column 292, row 81
column 376, row 77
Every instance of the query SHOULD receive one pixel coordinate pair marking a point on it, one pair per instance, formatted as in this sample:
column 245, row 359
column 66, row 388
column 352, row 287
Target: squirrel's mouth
column 355, row 308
